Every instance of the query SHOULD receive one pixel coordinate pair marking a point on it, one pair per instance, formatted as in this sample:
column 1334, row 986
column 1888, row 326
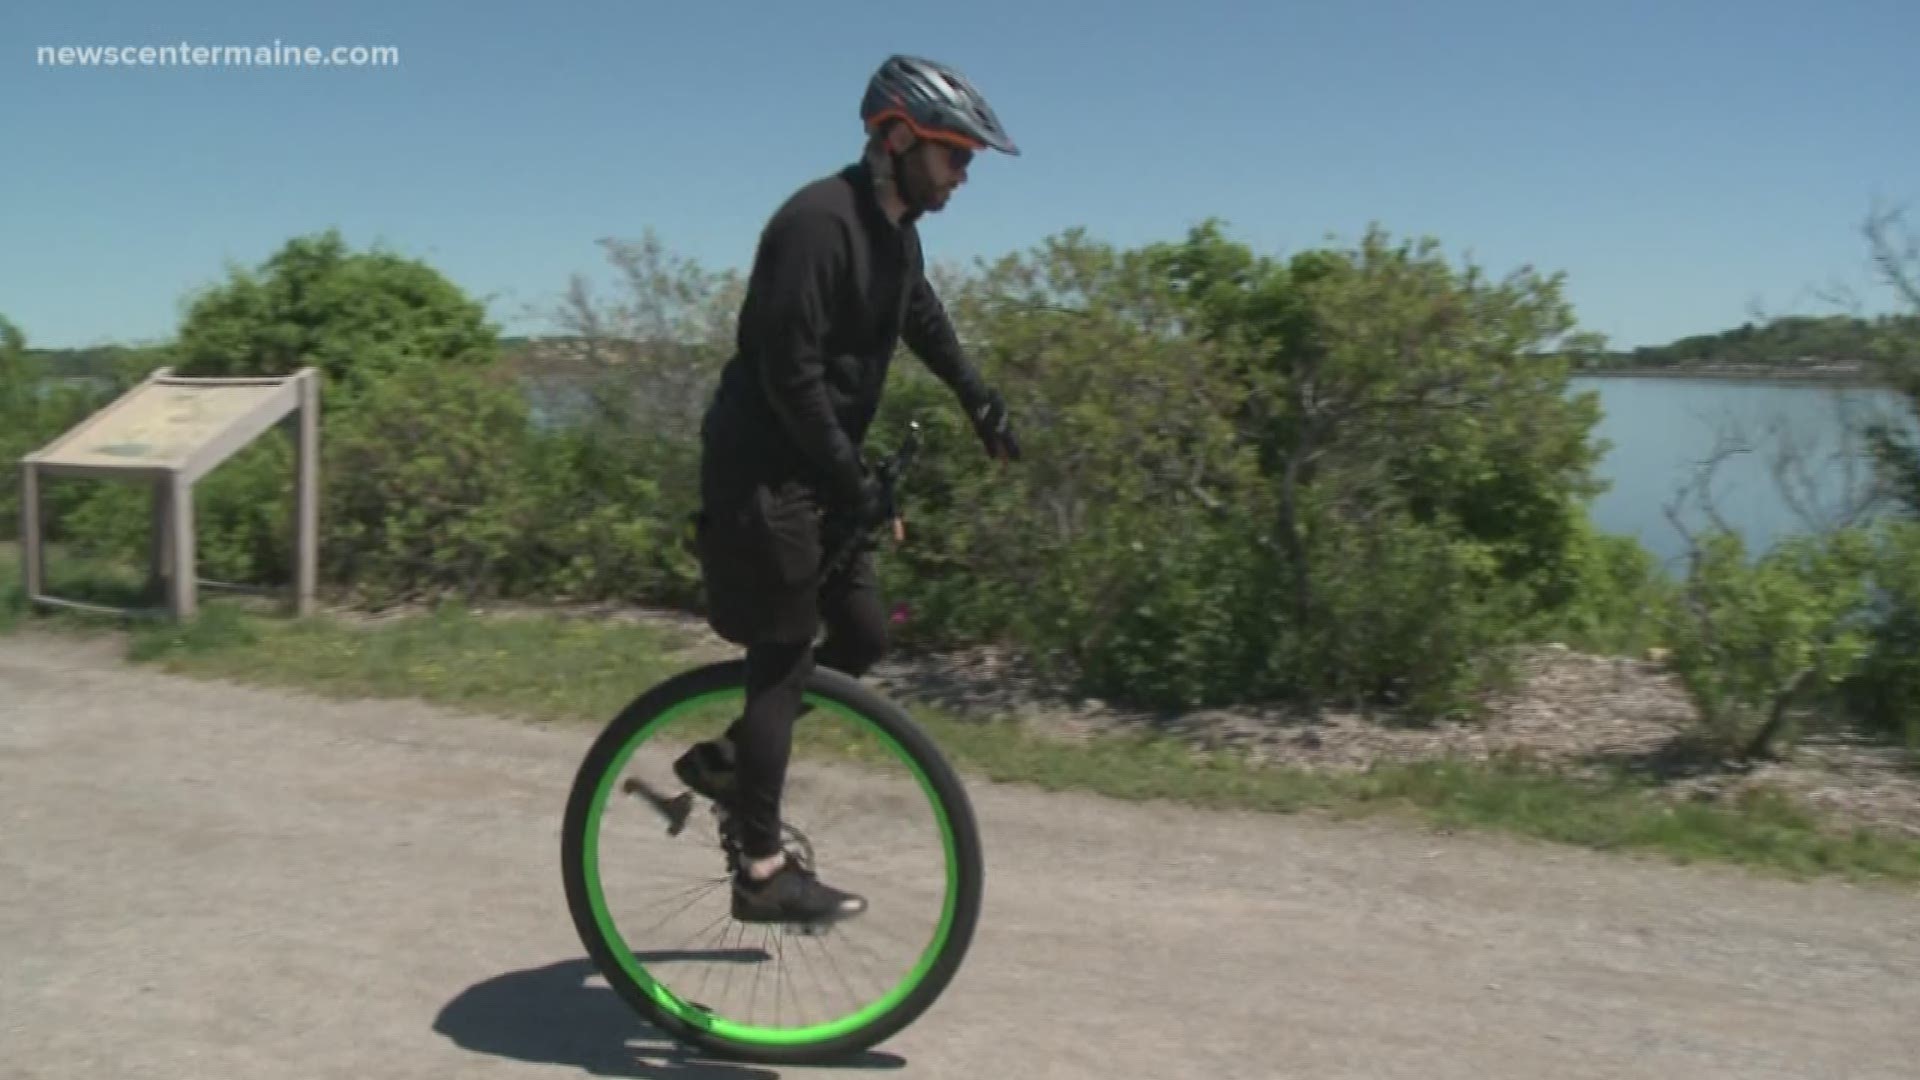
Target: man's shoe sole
column 777, row 919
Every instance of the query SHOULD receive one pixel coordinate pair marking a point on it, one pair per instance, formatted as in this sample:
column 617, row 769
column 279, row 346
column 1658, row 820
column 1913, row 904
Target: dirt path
column 204, row 881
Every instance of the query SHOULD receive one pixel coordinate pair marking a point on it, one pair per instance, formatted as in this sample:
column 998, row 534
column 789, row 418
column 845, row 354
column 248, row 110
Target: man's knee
column 778, row 664
column 856, row 620
column 856, row 641
column 855, row 656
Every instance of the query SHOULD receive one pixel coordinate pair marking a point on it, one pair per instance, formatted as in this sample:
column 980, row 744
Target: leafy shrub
column 428, row 491
column 357, row 316
column 615, row 514
column 1408, row 614
column 1759, row 641
column 1883, row 693
column 1354, row 474
column 1255, row 478
column 33, row 413
column 1605, row 595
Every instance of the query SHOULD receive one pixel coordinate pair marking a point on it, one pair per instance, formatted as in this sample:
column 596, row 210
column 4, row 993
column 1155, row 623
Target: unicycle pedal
column 676, row 809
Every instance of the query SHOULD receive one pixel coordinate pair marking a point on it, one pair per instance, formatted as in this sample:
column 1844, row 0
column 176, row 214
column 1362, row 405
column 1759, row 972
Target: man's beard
column 916, row 188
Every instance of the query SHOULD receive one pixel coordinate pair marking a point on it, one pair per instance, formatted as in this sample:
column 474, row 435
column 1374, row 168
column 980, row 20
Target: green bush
column 1606, row 595
column 32, row 414
column 1883, row 693
column 429, row 489
column 356, row 316
column 1761, row 643
column 615, row 516
column 243, row 517
column 1354, row 474
column 412, row 400
column 1407, row 614
column 1252, row 478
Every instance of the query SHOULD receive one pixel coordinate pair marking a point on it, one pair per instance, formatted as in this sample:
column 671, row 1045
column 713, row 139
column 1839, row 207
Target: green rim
column 692, row 1014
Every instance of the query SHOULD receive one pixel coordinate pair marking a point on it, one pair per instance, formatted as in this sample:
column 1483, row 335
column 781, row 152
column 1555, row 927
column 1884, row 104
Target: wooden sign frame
column 168, row 432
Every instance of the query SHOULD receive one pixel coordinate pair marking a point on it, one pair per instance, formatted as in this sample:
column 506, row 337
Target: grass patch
column 1763, row 830
column 13, row 606
column 535, row 667
column 72, row 575
column 557, row 669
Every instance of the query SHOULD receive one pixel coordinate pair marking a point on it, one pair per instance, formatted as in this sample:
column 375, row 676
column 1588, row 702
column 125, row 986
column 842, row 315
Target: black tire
column 961, row 832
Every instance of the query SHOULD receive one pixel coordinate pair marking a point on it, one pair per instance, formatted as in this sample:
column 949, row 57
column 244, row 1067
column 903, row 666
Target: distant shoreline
column 1852, row 377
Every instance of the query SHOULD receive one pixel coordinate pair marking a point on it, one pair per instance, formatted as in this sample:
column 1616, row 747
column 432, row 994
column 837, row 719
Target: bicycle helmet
column 936, row 102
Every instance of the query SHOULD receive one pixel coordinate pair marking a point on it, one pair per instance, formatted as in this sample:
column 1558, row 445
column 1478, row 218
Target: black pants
column 760, row 547
column 763, row 736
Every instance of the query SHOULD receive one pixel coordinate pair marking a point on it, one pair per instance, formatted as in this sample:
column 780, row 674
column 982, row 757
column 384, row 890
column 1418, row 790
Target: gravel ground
column 207, row 881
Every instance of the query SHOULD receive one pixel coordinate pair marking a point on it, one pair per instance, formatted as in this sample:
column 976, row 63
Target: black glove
column 863, row 502
column 995, row 428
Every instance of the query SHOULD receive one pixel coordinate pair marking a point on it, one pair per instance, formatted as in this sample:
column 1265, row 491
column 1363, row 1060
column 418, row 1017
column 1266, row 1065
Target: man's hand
column 995, row 428
column 867, row 503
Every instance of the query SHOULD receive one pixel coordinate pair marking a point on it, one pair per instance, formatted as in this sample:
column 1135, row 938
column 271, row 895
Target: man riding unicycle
column 838, row 280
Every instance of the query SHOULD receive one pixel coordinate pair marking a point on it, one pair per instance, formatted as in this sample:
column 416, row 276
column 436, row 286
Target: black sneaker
column 794, row 894
column 708, row 769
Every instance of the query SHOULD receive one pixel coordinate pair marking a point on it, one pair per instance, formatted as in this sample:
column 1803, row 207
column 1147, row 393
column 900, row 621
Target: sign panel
column 159, row 426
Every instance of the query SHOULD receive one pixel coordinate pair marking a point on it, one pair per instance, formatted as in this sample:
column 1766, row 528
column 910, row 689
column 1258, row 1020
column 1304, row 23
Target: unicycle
column 869, row 798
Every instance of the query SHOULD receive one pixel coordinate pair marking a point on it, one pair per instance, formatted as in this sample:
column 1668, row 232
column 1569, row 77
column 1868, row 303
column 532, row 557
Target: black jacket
column 835, row 287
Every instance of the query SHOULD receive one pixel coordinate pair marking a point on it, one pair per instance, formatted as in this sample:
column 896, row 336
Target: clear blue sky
column 1679, row 160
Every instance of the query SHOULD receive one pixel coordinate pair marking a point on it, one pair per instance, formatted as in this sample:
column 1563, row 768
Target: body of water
column 1661, row 431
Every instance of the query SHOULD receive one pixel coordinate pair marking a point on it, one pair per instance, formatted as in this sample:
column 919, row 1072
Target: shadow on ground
column 1683, row 757
column 554, row 1015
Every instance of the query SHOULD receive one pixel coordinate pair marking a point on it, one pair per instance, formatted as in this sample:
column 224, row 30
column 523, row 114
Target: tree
column 646, row 359
column 355, row 315
column 1886, row 692
column 1113, row 552
column 1827, row 623
column 365, row 320
column 1349, row 474
column 1896, row 351
column 19, row 416
column 1393, row 395
column 34, row 409
column 620, row 393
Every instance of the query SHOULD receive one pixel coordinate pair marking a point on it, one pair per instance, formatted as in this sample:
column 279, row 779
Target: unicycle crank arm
column 675, row 809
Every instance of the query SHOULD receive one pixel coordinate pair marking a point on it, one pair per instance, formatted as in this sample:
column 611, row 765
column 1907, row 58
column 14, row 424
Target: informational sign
column 160, row 426
column 168, row 432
